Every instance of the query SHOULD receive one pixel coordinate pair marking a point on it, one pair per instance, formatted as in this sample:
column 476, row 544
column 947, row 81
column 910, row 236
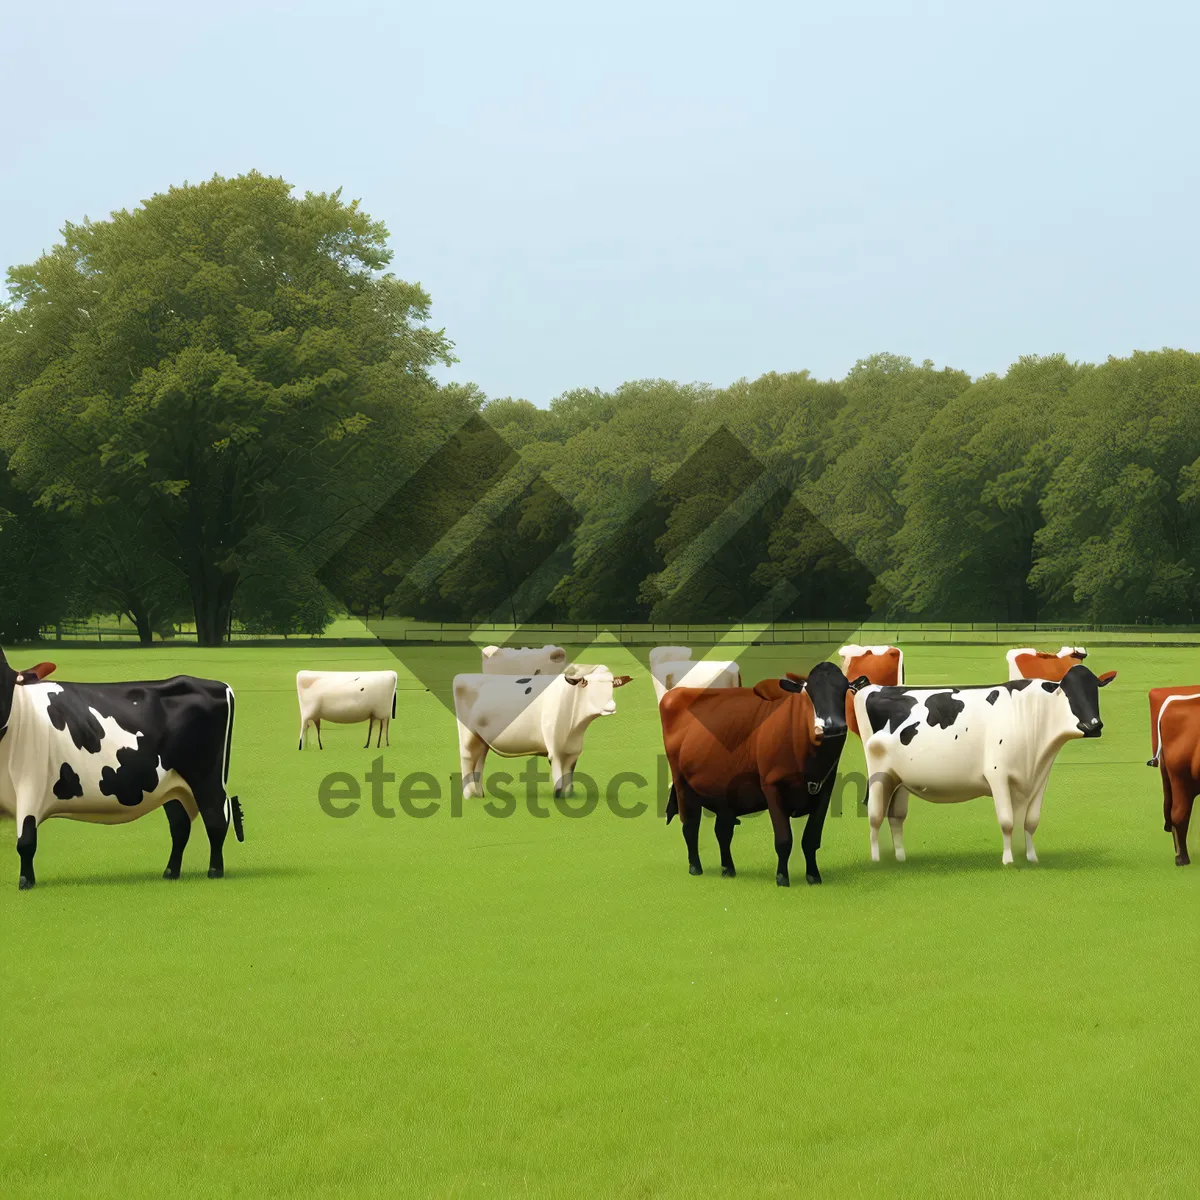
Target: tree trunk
column 212, row 603
column 141, row 620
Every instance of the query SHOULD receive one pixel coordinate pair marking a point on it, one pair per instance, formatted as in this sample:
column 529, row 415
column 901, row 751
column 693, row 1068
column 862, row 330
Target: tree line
column 220, row 407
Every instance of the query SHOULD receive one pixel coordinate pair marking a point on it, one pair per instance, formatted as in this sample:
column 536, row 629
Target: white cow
column 525, row 660
column 545, row 715
column 673, row 666
column 951, row 744
column 345, row 698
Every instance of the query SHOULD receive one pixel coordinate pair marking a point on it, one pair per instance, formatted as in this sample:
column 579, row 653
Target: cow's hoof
column 1180, row 861
column 728, row 872
column 900, row 856
column 24, row 883
column 695, row 869
column 170, row 873
column 815, row 877
column 216, row 872
column 781, row 880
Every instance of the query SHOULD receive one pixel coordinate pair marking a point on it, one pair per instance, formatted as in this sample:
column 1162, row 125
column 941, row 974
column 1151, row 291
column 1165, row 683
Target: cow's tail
column 672, row 805
column 233, row 808
column 394, row 691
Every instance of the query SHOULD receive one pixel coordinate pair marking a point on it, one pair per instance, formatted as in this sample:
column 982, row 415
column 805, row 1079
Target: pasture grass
column 477, row 1006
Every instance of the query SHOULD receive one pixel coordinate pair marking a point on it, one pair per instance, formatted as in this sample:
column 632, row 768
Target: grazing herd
column 112, row 752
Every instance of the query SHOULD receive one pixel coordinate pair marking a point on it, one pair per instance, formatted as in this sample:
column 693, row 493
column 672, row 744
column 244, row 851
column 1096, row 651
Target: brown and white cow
column 1027, row 663
column 774, row 746
column 883, row 665
column 1175, row 750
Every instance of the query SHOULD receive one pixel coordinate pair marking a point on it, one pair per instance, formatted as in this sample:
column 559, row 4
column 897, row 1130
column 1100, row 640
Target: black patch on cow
column 1016, row 685
column 943, row 709
column 1049, row 687
column 527, row 679
column 890, row 707
column 991, row 698
column 68, row 710
column 528, row 690
column 136, row 774
column 908, row 733
column 181, row 723
column 68, row 784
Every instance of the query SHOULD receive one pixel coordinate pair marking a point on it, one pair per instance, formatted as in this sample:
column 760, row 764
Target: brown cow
column 880, row 664
column 1175, row 750
column 736, row 751
column 1039, row 664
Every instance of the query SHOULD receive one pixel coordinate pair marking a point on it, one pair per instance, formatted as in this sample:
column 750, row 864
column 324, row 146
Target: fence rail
column 396, row 632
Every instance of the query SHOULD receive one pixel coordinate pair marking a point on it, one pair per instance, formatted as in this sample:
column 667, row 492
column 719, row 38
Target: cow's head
column 1081, row 688
column 594, row 691
column 827, row 689
column 10, row 679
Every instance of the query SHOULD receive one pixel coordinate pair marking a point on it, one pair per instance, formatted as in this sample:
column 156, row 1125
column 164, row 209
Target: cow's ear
column 35, row 674
column 488, row 651
column 621, row 680
column 576, row 680
column 792, row 684
column 861, row 682
column 1107, row 678
column 557, row 655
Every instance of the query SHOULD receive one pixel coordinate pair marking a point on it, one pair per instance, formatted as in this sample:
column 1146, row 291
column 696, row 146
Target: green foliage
column 217, row 400
column 210, row 362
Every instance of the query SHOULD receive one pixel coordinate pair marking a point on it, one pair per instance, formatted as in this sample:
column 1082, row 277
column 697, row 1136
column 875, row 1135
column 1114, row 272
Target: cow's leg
column 562, row 772
column 387, row 731
column 1002, row 797
column 1033, row 814
column 690, row 810
column 1166, row 782
column 180, row 821
column 724, row 831
column 378, row 735
column 897, row 811
column 317, row 725
column 810, row 839
column 1182, row 800
column 303, row 727
column 26, row 849
column 782, row 824
column 472, row 751
column 212, row 810
column 879, row 797
column 370, row 729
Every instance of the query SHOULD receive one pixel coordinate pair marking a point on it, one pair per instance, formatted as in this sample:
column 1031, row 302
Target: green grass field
column 477, row 1006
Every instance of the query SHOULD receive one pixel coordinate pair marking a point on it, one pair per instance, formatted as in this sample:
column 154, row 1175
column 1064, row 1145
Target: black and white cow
column 112, row 752
column 951, row 744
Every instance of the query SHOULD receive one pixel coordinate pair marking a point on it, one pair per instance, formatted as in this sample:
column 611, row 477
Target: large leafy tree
column 225, row 362
column 1121, row 540
column 971, row 496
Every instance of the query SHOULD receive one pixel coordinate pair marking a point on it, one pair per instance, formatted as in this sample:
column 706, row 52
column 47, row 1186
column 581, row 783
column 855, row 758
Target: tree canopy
column 220, row 404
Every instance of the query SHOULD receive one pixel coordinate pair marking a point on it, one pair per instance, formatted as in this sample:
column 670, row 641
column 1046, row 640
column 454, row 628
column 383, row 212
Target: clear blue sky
column 609, row 191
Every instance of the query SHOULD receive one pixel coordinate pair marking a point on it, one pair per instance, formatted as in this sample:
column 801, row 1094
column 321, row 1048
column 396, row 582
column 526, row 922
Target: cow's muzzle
column 1091, row 728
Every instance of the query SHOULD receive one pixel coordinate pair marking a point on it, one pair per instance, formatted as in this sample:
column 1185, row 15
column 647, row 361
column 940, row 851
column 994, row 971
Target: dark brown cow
column 883, row 665
column 736, row 751
column 1175, row 750
column 1039, row 664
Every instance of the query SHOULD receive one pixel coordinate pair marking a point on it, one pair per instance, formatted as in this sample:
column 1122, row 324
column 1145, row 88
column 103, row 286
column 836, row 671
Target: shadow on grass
column 147, row 878
column 962, row 862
